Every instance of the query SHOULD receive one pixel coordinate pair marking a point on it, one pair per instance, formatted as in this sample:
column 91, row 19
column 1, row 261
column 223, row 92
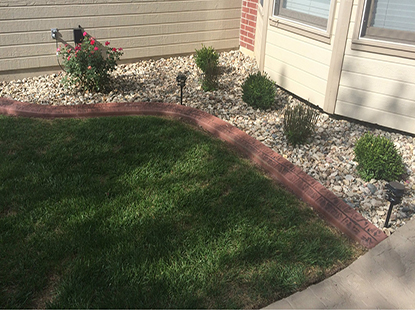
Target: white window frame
column 388, row 42
column 384, row 34
column 304, row 24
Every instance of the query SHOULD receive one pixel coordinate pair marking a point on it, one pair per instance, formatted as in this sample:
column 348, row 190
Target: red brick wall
column 248, row 24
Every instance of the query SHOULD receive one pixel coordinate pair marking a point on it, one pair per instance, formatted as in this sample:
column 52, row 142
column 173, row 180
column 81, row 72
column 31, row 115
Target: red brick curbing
column 248, row 24
column 328, row 205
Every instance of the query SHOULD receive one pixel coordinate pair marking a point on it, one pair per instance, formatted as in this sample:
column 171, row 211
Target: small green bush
column 378, row 158
column 299, row 123
column 207, row 59
column 258, row 91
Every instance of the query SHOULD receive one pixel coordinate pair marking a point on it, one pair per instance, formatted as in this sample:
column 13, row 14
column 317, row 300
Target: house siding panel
column 143, row 28
column 377, row 88
column 298, row 64
column 258, row 34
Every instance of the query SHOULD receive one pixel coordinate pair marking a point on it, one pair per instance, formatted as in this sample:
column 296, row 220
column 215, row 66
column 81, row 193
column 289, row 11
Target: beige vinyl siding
column 262, row 17
column 375, row 84
column 298, row 64
column 145, row 28
column 377, row 88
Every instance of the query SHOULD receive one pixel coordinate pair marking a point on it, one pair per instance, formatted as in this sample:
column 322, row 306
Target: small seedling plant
column 207, row 59
column 299, row 123
column 378, row 158
column 258, row 91
column 88, row 65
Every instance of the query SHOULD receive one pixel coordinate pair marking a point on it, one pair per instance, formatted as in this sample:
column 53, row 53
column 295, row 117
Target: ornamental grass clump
column 89, row 65
column 299, row 123
column 258, row 91
column 378, row 158
column 207, row 59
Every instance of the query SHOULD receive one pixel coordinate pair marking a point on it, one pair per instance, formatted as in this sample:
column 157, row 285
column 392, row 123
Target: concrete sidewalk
column 382, row 278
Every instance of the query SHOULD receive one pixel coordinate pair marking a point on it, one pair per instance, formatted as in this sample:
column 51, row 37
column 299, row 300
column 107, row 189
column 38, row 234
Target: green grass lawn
column 144, row 212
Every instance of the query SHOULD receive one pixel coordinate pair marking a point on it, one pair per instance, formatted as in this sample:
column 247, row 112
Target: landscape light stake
column 181, row 81
column 394, row 193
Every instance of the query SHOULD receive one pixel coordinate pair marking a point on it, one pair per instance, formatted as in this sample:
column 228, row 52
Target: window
column 312, row 12
column 261, row 2
column 389, row 20
column 309, row 18
column 385, row 27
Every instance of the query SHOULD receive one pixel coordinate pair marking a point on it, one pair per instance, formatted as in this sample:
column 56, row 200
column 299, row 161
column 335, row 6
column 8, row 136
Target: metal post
column 181, row 81
column 394, row 193
column 389, row 215
column 181, row 94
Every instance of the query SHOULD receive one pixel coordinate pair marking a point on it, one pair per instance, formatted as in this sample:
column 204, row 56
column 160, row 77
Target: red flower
column 107, row 43
column 92, row 42
column 120, row 49
column 85, row 34
column 96, row 48
column 114, row 49
column 69, row 57
column 89, row 67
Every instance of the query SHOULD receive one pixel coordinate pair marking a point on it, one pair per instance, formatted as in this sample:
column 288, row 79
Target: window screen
column 313, row 12
column 318, row 8
column 390, row 20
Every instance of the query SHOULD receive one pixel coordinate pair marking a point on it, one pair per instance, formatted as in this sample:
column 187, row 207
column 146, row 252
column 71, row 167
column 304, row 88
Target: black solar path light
column 394, row 193
column 181, row 81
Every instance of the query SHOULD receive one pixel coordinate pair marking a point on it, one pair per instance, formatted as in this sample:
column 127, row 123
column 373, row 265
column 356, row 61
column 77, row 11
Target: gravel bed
column 328, row 157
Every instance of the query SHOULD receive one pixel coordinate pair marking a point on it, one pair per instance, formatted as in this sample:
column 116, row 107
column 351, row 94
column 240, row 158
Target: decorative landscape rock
column 327, row 157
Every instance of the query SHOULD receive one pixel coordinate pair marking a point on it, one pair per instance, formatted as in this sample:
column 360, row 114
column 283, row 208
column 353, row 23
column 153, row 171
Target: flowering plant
column 89, row 65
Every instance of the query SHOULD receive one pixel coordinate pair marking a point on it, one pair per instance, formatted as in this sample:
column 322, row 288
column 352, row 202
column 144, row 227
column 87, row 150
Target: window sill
column 301, row 29
column 383, row 47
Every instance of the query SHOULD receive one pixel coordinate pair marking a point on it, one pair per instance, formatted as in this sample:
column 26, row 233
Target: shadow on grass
column 143, row 212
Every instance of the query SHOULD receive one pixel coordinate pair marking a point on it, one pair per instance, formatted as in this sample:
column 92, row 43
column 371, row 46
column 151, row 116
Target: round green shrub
column 207, row 59
column 378, row 158
column 258, row 91
column 299, row 123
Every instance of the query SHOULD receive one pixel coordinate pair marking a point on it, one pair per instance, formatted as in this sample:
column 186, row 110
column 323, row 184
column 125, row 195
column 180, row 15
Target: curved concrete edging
column 329, row 206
